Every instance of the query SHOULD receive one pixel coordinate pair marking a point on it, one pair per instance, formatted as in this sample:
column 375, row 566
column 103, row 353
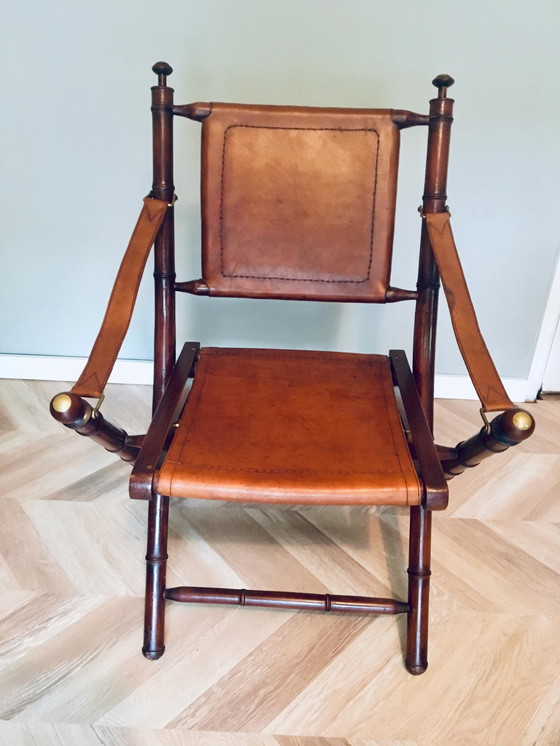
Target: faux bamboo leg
column 164, row 351
column 156, row 561
column 418, row 590
column 164, row 246
column 434, row 200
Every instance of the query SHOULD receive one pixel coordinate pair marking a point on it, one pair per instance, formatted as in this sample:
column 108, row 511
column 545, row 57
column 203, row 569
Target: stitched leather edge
column 299, row 279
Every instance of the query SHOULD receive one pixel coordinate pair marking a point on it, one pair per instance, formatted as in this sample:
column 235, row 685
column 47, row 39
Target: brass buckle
column 423, row 214
column 100, row 401
column 169, row 204
column 485, row 419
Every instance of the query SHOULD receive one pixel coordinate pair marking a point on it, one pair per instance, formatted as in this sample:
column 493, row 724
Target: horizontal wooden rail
column 286, row 600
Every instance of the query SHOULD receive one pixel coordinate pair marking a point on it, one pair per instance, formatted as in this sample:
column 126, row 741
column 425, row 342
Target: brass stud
column 522, row 420
column 61, row 403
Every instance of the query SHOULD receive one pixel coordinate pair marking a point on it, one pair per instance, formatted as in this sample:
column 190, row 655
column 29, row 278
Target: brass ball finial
column 515, row 425
column 522, row 420
column 61, row 403
column 68, row 407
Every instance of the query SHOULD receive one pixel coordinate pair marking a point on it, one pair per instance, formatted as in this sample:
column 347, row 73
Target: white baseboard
column 48, row 368
column 460, row 387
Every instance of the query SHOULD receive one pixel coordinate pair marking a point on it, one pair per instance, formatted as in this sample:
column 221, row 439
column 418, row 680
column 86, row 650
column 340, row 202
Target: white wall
column 76, row 154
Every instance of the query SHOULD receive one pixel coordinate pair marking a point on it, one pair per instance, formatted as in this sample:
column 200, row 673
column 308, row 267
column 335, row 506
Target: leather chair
column 297, row 203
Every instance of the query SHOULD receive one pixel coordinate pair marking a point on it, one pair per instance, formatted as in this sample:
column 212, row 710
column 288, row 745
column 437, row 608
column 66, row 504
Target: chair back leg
column 164, row 350
column 434, row 200
column 164, row 246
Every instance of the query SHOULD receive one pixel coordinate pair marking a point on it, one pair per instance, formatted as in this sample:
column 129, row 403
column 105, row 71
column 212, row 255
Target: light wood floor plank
column 71, row 584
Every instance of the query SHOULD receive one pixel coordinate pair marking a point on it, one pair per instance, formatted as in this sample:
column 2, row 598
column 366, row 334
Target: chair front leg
column 156, row 561
column 418, row 590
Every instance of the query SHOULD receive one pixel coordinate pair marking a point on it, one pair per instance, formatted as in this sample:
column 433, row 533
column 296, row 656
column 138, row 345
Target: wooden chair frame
column 171, row 377
column 434, row 200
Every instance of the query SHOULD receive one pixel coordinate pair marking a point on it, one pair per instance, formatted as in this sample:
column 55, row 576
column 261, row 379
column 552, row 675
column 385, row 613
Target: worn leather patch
column 291, row 426
column 298, row 203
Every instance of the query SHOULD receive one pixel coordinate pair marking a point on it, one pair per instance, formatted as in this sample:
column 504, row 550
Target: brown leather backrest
column 298, row 202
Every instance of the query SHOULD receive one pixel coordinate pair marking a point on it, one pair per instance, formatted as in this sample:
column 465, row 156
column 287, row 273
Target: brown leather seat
column 290, row 426
column 296, row 203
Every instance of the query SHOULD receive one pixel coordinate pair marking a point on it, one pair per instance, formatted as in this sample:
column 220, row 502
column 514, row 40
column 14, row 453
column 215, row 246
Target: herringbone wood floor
column 71, row 573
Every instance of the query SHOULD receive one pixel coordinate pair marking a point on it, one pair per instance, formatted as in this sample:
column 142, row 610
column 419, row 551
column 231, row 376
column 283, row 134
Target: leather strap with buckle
column 121, row 303
column 482, row 370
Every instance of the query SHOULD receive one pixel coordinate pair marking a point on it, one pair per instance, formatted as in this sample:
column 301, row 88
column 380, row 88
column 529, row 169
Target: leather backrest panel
column 298, row 202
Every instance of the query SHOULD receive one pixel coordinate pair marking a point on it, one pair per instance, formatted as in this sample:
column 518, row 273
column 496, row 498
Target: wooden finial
column 162, row 70
column 442, row 83
column 513, row 426
column 70, row 409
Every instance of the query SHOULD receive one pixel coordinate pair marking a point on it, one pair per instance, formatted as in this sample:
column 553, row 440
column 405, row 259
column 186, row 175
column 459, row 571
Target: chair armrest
column 159, row 433
column 436, row 492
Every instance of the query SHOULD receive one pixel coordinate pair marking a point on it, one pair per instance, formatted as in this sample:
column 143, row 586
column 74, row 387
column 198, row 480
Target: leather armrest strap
column 482, row 370
column 121, row 303
column 117, row 317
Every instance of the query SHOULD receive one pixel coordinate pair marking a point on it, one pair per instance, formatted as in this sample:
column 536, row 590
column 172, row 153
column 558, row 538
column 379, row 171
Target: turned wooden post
column 434, row 200
column 77, row 414
column 164, row 249
column 507, row 429
column 164, row 350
